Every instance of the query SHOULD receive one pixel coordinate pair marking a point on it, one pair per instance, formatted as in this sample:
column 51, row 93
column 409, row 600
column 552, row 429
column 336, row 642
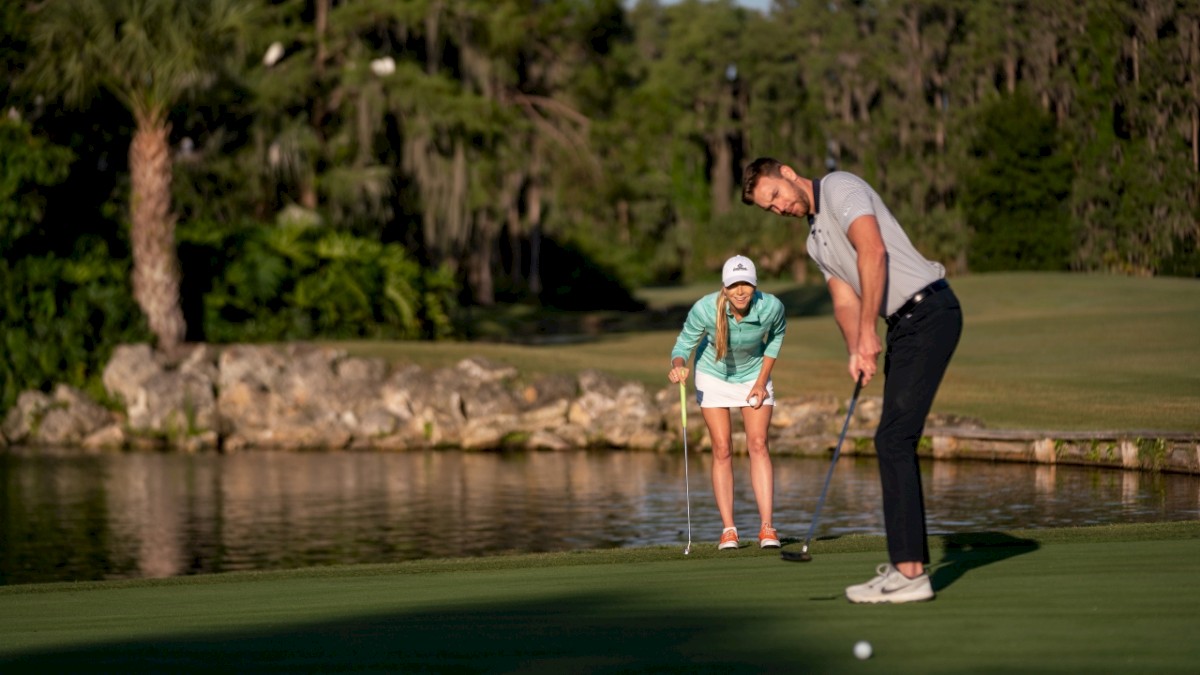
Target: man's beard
column 805, row 205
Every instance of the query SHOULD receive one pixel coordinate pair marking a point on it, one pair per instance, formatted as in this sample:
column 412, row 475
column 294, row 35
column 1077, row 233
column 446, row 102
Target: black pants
column 919, row 347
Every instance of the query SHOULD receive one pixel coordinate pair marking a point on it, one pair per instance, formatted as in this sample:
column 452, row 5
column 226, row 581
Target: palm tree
column 149, row 54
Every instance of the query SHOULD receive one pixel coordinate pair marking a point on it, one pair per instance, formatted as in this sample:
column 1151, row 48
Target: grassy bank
column 1071, row 600
column 1039, row 351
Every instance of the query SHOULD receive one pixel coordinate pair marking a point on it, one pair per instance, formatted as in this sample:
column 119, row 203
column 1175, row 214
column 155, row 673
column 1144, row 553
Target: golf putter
column 804, row 555
column 686, row 488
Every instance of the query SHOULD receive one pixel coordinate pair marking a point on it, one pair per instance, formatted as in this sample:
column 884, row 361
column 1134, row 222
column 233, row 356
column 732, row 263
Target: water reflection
column 72, row 517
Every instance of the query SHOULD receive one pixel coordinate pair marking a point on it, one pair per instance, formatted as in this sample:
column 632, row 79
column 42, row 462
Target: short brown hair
column 763, row 166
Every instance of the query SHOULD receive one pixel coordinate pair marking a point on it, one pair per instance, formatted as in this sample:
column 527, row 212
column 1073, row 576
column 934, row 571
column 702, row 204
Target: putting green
column 1082, row 599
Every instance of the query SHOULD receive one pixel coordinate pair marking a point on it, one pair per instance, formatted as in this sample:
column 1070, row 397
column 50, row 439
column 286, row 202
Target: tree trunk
column 1011, row 55
column 1196, row 137
column 156, row 276
column 479, row 261
column 533, row 209
column 510, row 199
column 322, row 27
column 722, row 174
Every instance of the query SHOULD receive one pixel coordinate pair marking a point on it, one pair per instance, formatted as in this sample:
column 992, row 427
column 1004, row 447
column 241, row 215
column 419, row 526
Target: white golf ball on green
column 862, row 650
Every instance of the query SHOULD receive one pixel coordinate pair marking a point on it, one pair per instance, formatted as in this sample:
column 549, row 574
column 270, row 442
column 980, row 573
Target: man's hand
column 865, row 358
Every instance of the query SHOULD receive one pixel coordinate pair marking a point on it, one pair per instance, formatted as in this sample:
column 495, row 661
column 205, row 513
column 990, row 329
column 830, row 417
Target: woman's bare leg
column 762, row 476
column 718, row 422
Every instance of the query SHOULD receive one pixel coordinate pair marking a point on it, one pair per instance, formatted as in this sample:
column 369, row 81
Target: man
column 873, row 270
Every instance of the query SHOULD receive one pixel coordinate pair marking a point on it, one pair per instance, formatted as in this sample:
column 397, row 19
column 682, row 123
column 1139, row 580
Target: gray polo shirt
column 838, row 199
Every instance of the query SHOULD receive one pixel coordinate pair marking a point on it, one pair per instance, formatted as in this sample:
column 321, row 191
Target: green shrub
column 294, row 281
column 64, row 302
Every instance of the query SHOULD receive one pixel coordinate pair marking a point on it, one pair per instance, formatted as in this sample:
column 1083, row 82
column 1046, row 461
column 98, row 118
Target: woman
column 736, row 332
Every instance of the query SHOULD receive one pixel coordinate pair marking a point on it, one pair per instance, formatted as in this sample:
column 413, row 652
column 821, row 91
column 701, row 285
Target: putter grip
column 683, row 403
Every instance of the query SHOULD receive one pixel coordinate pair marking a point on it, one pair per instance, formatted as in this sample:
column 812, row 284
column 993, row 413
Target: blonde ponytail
column 722, row 325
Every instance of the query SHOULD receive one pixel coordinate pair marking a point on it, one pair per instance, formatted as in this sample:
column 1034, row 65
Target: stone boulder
column 281, row 397
column 167, row 397
column 614, row 413
column 473, row 405
column 66, row 417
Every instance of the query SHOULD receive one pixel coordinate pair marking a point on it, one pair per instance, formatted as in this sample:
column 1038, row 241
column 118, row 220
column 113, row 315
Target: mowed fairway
column 1106, row 599
column 1039, row 351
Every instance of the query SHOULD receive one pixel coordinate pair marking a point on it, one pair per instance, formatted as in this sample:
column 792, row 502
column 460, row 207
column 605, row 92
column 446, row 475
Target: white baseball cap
column 739, row 268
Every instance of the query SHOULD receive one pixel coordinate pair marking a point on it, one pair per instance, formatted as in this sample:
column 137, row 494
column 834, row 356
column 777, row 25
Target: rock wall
column 300, row 396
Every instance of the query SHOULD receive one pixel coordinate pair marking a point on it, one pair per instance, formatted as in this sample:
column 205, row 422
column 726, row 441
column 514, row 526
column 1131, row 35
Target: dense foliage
column 298, row 280
column 360, row 168
column 64, row 297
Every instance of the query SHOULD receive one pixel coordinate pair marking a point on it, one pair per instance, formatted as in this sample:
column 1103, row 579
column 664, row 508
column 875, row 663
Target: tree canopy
column 364, row 167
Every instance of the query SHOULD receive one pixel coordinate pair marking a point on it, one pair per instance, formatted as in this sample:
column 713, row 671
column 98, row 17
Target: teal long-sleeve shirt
column 758, row 335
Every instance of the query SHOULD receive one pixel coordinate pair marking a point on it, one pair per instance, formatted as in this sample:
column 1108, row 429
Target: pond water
column 66, row 516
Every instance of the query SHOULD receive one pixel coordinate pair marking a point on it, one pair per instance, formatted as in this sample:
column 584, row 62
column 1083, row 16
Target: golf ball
column 862, row 650
column 753, row 401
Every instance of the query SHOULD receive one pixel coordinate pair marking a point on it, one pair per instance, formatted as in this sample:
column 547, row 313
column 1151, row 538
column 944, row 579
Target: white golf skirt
column 713, row 392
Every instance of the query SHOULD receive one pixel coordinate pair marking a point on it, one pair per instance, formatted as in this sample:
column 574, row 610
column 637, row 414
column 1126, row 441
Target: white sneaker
column 891, row 586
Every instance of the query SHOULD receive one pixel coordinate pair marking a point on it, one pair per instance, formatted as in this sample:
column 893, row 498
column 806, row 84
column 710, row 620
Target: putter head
column 793, row 556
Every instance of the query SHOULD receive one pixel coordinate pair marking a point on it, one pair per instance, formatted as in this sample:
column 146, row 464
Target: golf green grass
column 1101, row 599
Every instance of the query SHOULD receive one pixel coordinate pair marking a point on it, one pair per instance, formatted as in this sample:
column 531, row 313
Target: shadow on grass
column 571, row 633
column 967, row 551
